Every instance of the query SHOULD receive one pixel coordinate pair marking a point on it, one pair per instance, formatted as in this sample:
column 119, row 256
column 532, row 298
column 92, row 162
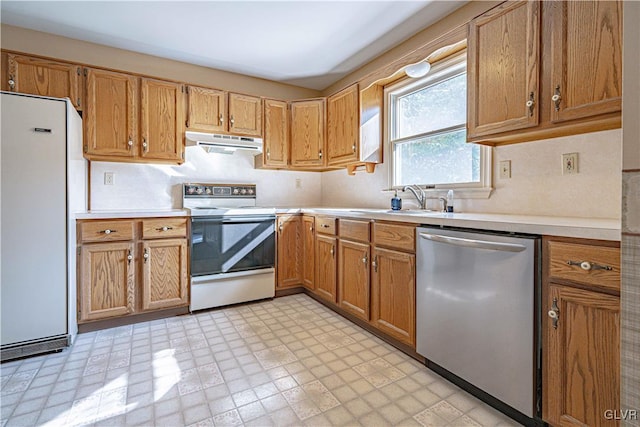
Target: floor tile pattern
column 286, row 362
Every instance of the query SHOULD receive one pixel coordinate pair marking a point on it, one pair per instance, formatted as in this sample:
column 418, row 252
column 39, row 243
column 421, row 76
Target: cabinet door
column 503, row 69
column 111, row 114
column 162, row 120
column 326, row 248
column 43, row 77
column 164, row 274
column 245, row 115
column 207, row 109
column 307, row 133
column 393, row 288
column 276, row 133
column 353, row 277
column 289, row 251
column 309, row 259
column 343, row 127
column 581, row 358
column 107, row 280
column 586, row 59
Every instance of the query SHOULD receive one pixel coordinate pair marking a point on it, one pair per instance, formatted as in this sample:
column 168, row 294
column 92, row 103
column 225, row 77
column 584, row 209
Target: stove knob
column 236, row 191
column 251, row 191
column 243, row 191
column 199, row 191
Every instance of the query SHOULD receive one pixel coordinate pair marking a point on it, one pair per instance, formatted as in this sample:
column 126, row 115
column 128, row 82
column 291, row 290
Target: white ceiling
column 306, row 43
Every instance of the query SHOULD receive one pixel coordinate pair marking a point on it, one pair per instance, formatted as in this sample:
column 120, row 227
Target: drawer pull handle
column 146, row 255
column 129, row 257
column 554, row 313
column 324, row 225
column 165, row 228
column 588, row 266
column 108, row 231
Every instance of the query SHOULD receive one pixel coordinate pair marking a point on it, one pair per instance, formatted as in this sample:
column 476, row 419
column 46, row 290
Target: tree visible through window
column 428, row 130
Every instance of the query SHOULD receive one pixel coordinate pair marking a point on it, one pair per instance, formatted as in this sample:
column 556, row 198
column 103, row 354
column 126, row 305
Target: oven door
column 230, row 244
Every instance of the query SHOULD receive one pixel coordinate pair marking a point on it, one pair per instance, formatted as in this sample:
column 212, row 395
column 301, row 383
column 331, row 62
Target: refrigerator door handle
column 472, row 243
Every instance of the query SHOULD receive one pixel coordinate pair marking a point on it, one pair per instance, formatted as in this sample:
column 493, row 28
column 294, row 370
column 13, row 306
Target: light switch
column 505, row 169
column 108, row 178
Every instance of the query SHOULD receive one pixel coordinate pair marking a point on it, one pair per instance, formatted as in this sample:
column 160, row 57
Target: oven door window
column 223, row 245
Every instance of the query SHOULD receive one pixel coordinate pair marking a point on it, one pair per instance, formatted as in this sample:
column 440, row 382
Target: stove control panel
column 219, row 190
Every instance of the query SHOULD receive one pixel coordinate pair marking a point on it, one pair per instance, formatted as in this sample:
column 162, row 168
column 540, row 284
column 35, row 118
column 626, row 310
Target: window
column 427, row 132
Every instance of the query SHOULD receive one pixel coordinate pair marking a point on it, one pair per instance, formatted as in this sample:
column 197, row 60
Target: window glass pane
column 438, row 159
column 439, row 106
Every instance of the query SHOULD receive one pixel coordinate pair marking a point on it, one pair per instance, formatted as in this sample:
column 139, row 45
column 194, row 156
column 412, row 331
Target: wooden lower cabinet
column 164, row 274
column 107, row 280
column 353, row 277
column 393, row 287
column 583, row 357
column 309, row 252
column 131, row 266
column 289, row 251
column 326, row 262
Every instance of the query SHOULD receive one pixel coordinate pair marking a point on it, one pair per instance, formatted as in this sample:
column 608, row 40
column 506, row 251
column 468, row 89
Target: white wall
column 537, row 186
column 142, row 186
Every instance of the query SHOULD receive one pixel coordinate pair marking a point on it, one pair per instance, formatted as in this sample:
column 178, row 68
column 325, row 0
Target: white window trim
column 476, row 190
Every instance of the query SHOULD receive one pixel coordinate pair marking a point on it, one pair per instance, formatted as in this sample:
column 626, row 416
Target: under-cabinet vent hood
column 225, row 144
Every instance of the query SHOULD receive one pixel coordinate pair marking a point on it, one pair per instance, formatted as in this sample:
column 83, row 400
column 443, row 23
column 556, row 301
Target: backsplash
column 537, row 186
column 146, row 186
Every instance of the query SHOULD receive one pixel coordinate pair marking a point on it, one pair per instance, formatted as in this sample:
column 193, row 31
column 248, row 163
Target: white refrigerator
column 43, row 180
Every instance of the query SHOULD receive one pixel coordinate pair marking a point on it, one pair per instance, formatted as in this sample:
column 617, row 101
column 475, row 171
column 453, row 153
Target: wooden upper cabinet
column 308, row 133
column 276, row 133
column 162, row 120
column 206, row 109
column 164, row 274
column 582, row 366
column 503, row 69
column 245, row 115
column 111, row 115
column 43, row 77
column 343, row 126
column 586, row 59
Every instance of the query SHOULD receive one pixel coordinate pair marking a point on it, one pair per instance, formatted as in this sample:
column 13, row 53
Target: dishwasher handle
column 472, row 243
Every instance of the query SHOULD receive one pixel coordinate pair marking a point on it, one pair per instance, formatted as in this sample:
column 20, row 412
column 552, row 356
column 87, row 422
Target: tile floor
column 289, row 361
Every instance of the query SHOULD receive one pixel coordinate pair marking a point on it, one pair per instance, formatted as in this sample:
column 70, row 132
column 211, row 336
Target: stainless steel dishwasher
column 475, row 311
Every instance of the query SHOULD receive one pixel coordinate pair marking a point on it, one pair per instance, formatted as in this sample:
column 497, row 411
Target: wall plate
column 505, row 169
column 569, row 163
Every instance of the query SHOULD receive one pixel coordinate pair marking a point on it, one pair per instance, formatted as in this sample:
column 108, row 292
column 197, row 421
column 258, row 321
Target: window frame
column 440, row 71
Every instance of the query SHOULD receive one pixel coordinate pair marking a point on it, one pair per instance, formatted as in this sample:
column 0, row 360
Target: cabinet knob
column 320, row 154
column 374, row 263
column 146, row 255
column 332, row 252
column 129, row 144
column 231, row 120
column 12, row 84
column 144, row 144
column 531, row 103
column 365, row 259
column 280, row 228
column 129, row 257
column 556, row 98
column 311, row 229
column 353, row 147
column 165, row 228
column 554, row 313
column 588, row 266
column 221, row 119
column 108, row 231
column 268, row 153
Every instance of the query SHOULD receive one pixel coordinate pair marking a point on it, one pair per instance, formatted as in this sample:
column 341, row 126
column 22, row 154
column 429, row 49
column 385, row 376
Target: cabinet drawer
column 326, row 225
column 106, row 231
column 354, row 230
column 158, row 228
column 591, row 265
column 395, row 236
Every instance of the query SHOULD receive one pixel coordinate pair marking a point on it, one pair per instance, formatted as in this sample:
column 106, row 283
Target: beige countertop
column 586, row 228
column 133, row 213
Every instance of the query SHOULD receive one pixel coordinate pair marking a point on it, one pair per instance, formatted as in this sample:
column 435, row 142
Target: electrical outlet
column 505, row 169
column 569, row 163
column 108, row 178
column 298, row 183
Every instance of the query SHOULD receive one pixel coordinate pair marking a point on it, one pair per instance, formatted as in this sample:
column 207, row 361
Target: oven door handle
column 235, row 219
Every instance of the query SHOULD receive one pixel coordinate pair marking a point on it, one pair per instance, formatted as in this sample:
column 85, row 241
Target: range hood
column 225, row 144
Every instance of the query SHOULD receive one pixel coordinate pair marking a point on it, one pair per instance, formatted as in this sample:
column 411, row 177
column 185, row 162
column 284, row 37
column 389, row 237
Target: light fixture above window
column 419, row 69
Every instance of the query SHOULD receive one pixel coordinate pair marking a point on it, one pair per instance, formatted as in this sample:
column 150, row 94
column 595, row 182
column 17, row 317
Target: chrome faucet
column 419, row 194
